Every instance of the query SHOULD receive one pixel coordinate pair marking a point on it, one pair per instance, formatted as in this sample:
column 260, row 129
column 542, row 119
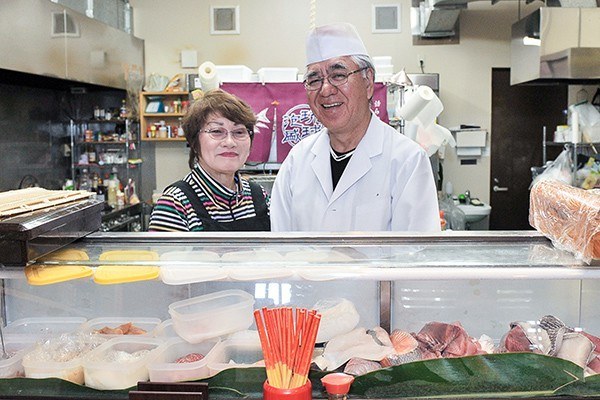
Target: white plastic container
column 60, row 357
column 16, row 348
column 165, row 330
column 235, row 353
column 233, row 73
column 212, row 315
column 275, row 74
column 147, row 324
column 381, row 60
column 384, row 69
column 163, row 368
column 186, row 267
column 42, row 327
column 119, row 363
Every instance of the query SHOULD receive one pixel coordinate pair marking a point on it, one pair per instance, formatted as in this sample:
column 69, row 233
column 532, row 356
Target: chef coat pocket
column 373, row 216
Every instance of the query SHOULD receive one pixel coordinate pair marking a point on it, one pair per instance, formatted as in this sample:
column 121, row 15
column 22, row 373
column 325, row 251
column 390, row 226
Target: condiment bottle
column 112, row 193
column 123, row 110
column 337, row 385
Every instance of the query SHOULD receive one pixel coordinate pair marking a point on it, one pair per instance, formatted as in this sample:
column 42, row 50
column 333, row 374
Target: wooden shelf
column 121, row 142
column 170, row 118
column 147, row 115
column 175, row 139
column 182, row 93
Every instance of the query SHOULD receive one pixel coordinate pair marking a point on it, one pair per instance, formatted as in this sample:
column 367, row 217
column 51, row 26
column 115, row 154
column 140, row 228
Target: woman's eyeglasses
column 335, row 79
column 221, row 133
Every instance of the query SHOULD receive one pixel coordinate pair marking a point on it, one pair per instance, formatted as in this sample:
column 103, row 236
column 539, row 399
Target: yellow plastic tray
column 114, row 274
column 49, row 274
column 129, row 255
column 66, row 255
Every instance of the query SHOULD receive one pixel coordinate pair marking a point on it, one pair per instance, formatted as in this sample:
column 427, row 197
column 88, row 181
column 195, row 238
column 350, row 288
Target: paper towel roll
column 209, row 79
column 433, row 137
column 422, row 107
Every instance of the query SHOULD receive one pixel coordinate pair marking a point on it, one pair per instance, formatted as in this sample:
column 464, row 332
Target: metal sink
column 475, row 213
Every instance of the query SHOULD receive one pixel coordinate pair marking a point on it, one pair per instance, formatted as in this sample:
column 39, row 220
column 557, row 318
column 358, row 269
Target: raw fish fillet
column 576, row 348
column 447, row 340
column 555, row 329
column 360, row 366
column 397, row 359
column 380, row 336
column 125, row 329
column 403, row 342
column 594, row 365
column 188, row 358
column 515, row 341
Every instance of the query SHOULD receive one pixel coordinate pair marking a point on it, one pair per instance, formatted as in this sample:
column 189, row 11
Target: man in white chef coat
column 358, row 173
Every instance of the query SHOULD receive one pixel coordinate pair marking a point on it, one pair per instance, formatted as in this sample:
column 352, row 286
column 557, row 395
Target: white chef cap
column 333, row 40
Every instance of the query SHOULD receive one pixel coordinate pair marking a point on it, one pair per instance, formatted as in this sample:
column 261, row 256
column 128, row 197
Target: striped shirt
column 173, row 211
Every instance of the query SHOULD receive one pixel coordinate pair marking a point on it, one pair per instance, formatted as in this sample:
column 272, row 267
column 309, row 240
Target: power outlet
column 421, row 60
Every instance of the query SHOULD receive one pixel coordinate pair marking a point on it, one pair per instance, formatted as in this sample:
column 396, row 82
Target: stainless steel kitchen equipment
column 556, row 44
column 26, row 237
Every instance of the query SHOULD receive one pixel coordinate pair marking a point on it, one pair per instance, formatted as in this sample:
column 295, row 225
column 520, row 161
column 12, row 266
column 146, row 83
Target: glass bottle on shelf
column 180, row 132
column 91, row 155
column 84, row 180
column 101, row 192
column 123, row 110
column 112, row 193
column 95, row 183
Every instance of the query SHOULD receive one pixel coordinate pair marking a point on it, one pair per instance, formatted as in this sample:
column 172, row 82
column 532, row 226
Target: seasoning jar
column 89, row 135
column 162, row 132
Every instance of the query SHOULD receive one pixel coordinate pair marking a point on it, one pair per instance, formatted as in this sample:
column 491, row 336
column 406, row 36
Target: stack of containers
column 384, row 69
column 21, row 337
column 234, row 73
column 187, row 347
column 198, row 352
column 277, row 74
column 119, row 363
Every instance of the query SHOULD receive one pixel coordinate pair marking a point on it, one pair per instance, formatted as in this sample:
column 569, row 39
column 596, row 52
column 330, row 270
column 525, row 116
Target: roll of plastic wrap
column 422, row 107
column 209, row 79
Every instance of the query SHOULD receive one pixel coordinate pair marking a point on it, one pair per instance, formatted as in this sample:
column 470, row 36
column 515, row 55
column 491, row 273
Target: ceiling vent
column 63, row 25
column 438, row 18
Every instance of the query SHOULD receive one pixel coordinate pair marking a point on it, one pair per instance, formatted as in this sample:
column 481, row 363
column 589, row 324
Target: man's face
column 340, row 108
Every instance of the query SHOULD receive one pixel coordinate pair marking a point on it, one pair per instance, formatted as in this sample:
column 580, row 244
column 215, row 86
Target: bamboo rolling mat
column 15, row 202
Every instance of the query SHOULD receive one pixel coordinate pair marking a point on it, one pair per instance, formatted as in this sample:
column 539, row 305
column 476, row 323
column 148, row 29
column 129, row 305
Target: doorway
column 519, row 114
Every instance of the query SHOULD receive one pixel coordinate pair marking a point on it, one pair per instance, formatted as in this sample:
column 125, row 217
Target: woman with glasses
column 219, row 129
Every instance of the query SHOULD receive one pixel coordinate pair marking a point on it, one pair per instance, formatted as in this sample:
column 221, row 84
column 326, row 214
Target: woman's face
column 224, row 147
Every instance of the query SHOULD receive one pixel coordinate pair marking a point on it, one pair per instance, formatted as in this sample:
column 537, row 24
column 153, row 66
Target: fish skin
column 360, row 366
column 398, row 359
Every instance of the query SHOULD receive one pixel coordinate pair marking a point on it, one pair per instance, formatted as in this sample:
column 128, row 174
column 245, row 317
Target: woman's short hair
column 215, row 102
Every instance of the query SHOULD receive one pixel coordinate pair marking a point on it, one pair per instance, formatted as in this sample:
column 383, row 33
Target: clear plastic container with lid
column 177, row 360
column 212, row 315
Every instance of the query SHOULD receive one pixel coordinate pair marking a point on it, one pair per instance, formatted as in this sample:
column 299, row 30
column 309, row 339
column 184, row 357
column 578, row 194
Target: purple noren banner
column 284, row 117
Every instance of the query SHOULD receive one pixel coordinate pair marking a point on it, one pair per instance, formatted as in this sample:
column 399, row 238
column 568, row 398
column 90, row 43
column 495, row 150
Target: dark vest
column 260, row 222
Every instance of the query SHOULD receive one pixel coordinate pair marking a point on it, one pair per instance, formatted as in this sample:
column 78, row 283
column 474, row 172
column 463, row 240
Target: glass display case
column 483, row 280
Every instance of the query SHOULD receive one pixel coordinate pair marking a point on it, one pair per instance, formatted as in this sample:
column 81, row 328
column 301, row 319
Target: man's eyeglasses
column 239, row 134
column 335, row 79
